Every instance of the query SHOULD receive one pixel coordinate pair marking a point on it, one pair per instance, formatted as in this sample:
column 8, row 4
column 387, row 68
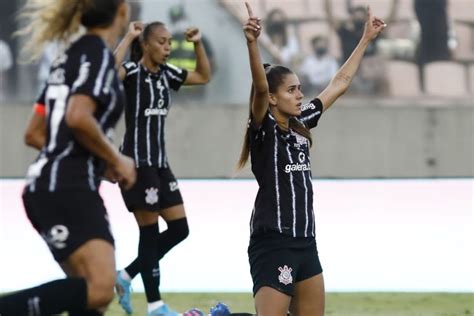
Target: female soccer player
column 148, row 79
column 84, row 100
column 284, row 263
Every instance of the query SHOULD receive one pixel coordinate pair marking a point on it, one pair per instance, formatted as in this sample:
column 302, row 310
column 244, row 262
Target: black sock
column 177, row 231
column 134, row 268
column 149, row 262
column 47, row 299
column 151, row 248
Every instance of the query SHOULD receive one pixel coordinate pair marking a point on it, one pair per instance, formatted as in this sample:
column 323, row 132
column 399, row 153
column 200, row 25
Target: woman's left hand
column 193, row 35
column 373, row 27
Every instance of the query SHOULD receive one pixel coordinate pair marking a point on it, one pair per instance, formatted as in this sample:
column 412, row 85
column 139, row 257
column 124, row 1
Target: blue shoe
column 193, row 312
column 220, row 310
column 164, row 310
column 123, row 291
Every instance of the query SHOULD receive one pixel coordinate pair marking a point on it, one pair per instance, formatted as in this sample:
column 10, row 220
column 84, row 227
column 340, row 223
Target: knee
column 100, row 291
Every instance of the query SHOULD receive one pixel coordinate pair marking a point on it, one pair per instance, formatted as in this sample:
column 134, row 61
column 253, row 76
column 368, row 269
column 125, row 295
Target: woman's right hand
column 123, row 171
column 135, row 29
column 252, row 27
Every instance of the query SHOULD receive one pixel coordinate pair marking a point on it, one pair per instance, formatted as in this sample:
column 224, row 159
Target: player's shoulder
column 129, row 65
column 172, row 68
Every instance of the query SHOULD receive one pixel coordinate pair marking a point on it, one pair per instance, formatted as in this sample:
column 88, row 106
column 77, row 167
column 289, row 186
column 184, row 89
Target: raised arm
column 332, row 21
column 252, row 30
column 343, row 78
column 134, row 30
column 202, row 73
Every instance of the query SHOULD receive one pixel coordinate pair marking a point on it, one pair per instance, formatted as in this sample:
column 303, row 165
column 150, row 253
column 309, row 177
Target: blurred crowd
column 429, row 38
column 422, row 48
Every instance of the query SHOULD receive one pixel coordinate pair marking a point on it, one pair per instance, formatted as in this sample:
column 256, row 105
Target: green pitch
column 337, row 304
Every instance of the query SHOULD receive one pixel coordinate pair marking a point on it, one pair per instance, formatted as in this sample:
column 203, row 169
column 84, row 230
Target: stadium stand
column 439, row 82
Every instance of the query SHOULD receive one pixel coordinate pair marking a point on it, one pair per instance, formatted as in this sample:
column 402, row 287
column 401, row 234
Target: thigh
column 309, row 297
column 145, row 193
column 170, row 195
column 272, row 264
column 91, row 261
column 270, row 302
column 95, row 262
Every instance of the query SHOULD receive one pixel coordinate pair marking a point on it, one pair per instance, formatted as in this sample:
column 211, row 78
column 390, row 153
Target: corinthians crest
column 285, row 275
column 151, row 195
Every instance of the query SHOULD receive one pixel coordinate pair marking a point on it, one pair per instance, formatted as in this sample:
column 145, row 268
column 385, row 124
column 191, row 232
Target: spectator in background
column 320, row 67
column 433, row 18
column 282, row 40
column 371, row 77
column 183, row 55
column 6, row 62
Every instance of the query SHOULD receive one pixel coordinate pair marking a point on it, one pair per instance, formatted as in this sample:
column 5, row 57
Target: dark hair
column 277, row 26
column 136, row 52
column 275, row 75
column 176, row 13
column 358, row 8
column 317, row 39
column 99, row 13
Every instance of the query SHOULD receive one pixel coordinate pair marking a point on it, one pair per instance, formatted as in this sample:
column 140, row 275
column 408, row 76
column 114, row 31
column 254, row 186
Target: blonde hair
column 49, row 20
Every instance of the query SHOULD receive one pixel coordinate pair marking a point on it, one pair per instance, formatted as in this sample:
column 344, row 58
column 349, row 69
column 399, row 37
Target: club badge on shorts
column 151, row 196
column 285, row 275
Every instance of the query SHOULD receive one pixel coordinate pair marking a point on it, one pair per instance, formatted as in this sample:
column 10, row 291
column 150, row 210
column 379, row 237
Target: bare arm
column 343, row 78
column 134, row 30
column 80, row 118
column 252, row 30
column 332, row 21
column 202, row 73
column 35, row 134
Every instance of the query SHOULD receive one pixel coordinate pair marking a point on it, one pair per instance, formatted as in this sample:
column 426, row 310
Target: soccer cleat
column 163, row 310
column 193, row 312
column 220, row 310
column 123, row 288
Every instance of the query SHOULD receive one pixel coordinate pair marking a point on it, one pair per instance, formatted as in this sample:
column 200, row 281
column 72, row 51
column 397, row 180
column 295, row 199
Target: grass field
column 340, row 304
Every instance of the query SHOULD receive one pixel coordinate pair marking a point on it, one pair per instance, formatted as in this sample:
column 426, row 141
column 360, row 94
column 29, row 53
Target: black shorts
column 67, row 219
column 280, row 261
column 156, row 189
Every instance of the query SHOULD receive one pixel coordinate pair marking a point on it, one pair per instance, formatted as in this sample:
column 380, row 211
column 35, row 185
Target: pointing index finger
column 249, row 9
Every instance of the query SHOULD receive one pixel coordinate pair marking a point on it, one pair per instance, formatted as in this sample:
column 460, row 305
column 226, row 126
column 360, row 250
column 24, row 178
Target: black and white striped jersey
column 86, row 68
column 281, row 165
column 148, row 102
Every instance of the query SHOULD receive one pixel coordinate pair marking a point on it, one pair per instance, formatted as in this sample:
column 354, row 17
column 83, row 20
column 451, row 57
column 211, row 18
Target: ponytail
column 136, row 52
column 58, row 20
column 245, row 151
column 49, row 20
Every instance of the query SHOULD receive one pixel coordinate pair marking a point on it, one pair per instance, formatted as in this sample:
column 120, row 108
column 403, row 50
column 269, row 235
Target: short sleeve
column 311, row 112
column 176, row 76
column 95, row 74
column 130, row 68
column 257, row 135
